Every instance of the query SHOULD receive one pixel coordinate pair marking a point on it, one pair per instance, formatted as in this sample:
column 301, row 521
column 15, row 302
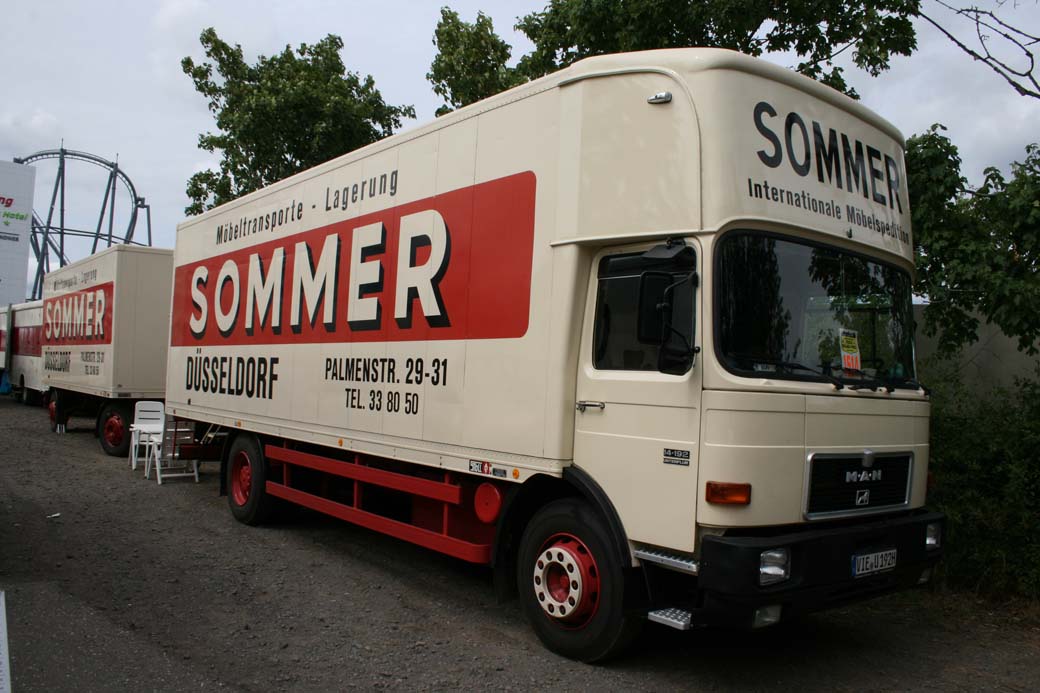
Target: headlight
column 774, row 566
column 933, row 535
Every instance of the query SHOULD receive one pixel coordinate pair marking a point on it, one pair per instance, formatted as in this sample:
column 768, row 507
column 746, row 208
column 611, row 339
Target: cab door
column 636, row 428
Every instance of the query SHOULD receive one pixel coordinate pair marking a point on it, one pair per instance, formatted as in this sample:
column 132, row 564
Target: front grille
column 840, row 484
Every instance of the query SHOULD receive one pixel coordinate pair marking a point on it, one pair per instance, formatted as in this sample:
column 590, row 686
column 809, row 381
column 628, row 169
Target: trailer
column 106, row 327
column 5, row 337
column 637, row 334
column 26, row 370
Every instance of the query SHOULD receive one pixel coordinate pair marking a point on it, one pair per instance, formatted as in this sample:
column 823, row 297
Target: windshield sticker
column 850, row 350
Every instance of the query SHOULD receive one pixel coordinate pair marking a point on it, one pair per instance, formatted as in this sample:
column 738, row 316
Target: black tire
column 247, row 497
column 52, row 409
column 26, row 395
column 113, row 429
column 598, row 625
column 58, row 410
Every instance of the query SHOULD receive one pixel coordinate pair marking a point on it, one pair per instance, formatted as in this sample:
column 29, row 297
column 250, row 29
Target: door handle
column 582, row 405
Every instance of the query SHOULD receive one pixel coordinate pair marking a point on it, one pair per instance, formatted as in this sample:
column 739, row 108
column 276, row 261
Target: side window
column 616, row 342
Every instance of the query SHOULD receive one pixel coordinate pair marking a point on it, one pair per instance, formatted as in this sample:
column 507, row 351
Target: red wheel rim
column 114, row 430
column 567, row 581
column 241, row 478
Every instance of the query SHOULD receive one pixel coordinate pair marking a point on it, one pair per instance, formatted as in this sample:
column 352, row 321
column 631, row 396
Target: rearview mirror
column 655, row 309
column 654, row 321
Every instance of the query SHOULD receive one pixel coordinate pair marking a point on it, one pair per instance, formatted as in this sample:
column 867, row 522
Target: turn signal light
column 727, row 493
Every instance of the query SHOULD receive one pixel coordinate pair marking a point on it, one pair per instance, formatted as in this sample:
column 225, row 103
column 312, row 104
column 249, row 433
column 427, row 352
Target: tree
column 978, row 251
column 568, row 30
column 470, row 64
column 996, row 44
column 816, row 30
column 286, row 113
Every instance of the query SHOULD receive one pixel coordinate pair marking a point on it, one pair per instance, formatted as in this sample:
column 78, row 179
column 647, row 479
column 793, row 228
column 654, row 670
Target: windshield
column 793, row 309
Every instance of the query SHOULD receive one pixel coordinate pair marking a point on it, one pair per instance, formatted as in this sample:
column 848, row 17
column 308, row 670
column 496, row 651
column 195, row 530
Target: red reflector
column 727, row 493
column 487, row 503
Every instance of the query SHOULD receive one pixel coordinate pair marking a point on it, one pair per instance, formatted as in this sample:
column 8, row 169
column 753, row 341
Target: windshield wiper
column 867, row 382
column 795, row 366
column 911, row 383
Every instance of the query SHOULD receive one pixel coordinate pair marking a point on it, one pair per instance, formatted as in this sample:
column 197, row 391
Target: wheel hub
column 114, row 430
column 241, row 478
column 566, row 580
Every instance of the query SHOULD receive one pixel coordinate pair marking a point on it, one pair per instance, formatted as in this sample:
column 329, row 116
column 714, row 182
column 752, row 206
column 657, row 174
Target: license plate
column 877, row 562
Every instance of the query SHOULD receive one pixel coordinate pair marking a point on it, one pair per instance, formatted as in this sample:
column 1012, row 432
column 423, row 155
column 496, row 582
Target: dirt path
column 137, row 586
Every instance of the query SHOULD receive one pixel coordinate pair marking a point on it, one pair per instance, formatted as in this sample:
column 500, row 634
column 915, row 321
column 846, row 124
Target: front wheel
column 247, row 481
column 571, row 583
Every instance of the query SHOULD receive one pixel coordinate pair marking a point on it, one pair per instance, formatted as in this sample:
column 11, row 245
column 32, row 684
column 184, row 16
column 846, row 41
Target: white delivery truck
column 26, row 370
column 638, row 334
column 106, row 327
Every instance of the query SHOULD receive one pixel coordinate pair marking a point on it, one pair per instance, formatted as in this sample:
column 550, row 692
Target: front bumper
column 820, row 568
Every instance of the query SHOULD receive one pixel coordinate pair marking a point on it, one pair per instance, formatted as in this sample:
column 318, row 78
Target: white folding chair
column 147, row 429
column 175, row 433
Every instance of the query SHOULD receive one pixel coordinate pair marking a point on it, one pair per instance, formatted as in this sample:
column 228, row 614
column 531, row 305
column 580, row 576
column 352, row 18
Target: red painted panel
column 447, row 493
column 28, row 341
column 484, row 288
column 474, row 553
column 80, row 317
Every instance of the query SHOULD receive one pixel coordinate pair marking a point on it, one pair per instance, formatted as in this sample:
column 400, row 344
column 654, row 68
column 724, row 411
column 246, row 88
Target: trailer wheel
column 247, row 482
column 113, row 429
column 572, row 585
column 52, row 411
column 26, row 395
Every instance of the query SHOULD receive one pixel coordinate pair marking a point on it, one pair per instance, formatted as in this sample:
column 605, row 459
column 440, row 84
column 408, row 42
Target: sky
column 104, row 77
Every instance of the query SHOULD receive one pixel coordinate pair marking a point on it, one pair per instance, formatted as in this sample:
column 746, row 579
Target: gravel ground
column 138, row 587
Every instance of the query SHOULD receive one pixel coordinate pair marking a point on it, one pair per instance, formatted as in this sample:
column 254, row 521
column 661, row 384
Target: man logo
column 863, row 496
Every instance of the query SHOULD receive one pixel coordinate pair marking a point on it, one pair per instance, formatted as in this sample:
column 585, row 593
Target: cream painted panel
column 457, row 159
column 753, row 428
column 836, row 422
column 752, row 178
column 569, row 284
column 504, row 398
column 639, row 160
column 755, row 438
column 622, row 447
column 417, row 164
column 776, row 475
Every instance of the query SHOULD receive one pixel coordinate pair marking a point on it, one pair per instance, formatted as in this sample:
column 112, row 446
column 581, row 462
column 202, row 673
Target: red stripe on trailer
column 474, row 553
column 435, row 490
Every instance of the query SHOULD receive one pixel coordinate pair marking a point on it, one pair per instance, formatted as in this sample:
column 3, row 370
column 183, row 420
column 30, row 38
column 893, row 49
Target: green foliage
column 978, row 251
column 569, row 30
column 470, row 64
column 987, row 482
column 286, row 113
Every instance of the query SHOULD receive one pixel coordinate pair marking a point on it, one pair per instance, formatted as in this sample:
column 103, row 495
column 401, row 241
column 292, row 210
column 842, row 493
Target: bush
column 985, row 462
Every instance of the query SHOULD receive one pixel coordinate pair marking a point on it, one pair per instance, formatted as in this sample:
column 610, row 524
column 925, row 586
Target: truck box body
column 5, row 337
column 27, row 348
column 106, row 323
column 495, row 298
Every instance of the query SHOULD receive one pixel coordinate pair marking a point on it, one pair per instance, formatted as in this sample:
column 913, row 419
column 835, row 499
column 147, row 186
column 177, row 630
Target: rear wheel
column 571, row 583
column 247, row 482
column 25, row 395
column 113, row 429
column 56, row 416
